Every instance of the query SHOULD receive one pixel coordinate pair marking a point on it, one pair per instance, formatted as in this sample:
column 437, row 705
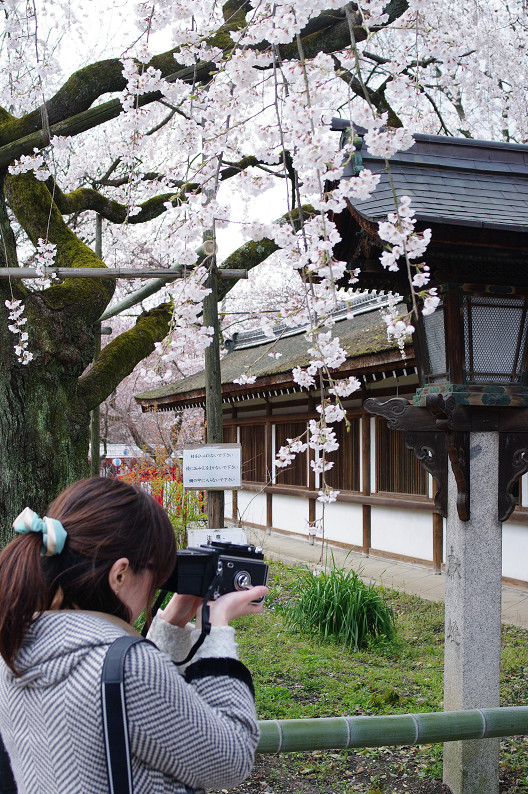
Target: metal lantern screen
column 495, row 338
column 485, row 343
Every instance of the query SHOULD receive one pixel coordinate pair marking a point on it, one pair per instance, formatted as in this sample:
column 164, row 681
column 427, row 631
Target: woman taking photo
column 71, row 584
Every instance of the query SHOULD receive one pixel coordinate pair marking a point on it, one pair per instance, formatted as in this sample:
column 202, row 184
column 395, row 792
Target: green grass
column 300, row 675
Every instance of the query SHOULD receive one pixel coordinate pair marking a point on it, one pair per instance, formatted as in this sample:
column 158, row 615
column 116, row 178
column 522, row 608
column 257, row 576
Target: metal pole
column 95, row 416
column 333, row 733
column 213, row 387
column 164, row 275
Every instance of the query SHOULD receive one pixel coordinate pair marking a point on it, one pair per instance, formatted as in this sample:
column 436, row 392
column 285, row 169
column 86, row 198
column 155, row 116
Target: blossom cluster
column 44, row 259
column 16, row 325
column 186, row 330
column 399, row 232
column 31, row 162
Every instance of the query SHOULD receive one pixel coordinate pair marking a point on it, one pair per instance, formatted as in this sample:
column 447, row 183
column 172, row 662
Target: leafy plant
column 338, row 605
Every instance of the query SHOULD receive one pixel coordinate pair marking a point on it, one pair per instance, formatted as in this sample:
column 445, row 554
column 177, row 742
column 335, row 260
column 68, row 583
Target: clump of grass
column 339, row 606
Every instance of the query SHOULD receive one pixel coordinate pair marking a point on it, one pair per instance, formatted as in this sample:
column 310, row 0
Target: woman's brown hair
column 105, row 519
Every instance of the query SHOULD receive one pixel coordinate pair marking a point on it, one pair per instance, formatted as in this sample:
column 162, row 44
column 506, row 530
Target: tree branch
column 84, row 199
column 118, row 358
column 254, row 253
column 376, row 97
column 69, row 111
column 39, row 216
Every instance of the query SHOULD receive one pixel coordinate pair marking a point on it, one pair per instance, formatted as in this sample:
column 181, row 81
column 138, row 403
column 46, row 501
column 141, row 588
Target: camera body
column 235, row 566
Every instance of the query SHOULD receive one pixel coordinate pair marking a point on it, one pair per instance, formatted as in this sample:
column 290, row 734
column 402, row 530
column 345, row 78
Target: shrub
column 186, row 508
column 338, row 605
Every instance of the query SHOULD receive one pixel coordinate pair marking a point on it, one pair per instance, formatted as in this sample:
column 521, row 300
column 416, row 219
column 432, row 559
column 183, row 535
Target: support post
column 213, row 392
column 365, row 477
column 473, row 616
column 95, row 416
column 438, row 542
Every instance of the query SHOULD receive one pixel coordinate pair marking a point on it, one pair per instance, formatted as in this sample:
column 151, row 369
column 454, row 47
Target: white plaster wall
column 515, row 551
column 524, row 490
column 290, row 513
column 408, row 532
column 252, row 507
column 343, row 522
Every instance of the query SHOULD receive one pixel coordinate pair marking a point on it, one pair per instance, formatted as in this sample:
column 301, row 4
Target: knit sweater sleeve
column 199, row 729
column 177, row 641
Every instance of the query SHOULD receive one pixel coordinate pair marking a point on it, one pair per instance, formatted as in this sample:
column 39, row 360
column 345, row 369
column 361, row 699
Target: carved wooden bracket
column 442, row 429
column 430, row 449
column 457, row 445
column 513, row 463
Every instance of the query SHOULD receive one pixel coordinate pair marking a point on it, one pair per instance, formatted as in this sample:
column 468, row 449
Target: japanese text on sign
column 212, row 466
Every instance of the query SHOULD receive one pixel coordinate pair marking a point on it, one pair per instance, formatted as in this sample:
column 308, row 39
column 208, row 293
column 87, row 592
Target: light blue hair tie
column 53, row 533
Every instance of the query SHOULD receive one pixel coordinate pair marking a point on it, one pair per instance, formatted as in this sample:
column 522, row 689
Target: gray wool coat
column 192, row 727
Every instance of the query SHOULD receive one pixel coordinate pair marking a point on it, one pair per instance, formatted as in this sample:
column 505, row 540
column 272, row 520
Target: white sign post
column 212, row 466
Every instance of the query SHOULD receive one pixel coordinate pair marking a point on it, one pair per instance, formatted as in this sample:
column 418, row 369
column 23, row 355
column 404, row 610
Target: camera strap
column 7, row 781
column 206, row 625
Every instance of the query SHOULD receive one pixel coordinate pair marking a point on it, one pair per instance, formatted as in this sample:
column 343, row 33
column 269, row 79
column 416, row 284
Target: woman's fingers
column 236, row 605
column 181, row 609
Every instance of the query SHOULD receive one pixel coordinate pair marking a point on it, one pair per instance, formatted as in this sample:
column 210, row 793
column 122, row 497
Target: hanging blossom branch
column 399, row 229
column 16, row 326
column 186, row 328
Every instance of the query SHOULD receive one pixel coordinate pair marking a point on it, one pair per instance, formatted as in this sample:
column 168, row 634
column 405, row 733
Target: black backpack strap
column 7, row 781
column 115, row 724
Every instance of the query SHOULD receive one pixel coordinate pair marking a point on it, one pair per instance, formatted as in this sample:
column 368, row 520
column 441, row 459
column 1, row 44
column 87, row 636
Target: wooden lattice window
column 344, row 474
column 397, row 468
column 253, row 441
column 296, row 473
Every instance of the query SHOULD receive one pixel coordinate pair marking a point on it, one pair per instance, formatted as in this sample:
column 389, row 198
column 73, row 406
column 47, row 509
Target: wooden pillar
column 213, row 393
column 95, row 416
column 311, row 517
column 438, row 542
column 269, row 466
column 365, row 473
column 233, row 436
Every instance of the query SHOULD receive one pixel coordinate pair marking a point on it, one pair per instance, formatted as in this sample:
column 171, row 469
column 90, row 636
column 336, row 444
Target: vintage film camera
column 230, row 566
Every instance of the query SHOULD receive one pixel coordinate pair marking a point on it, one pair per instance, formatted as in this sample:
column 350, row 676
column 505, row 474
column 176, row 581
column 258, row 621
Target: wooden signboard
column 212, row 466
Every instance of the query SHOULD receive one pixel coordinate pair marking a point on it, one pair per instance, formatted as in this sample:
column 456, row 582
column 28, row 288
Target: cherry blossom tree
column 152, row 116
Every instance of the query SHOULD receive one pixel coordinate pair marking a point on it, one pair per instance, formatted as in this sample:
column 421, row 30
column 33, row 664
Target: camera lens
column 242, row 580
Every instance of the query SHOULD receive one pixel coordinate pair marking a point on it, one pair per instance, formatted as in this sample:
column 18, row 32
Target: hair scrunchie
column 53, row 533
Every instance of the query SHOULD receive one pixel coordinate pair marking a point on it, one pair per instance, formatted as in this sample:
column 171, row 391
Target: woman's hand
column 181, row 609
column 235, row 605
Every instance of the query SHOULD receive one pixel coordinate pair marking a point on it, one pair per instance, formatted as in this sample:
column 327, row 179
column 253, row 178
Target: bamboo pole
column 333, row 733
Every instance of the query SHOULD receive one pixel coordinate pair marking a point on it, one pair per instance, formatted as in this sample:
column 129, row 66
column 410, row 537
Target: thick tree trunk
column 43, row 432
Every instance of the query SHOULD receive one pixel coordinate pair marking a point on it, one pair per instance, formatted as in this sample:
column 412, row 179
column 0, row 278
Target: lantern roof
column 453, row 180
column 472, row 194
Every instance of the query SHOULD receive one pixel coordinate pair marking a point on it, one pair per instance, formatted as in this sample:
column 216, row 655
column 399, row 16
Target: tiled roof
column 360, row 335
